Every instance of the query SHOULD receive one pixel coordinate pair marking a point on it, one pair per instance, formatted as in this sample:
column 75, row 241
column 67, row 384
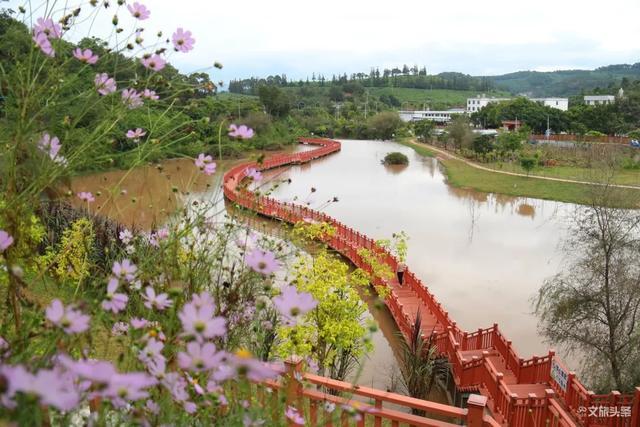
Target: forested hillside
column 604, row 80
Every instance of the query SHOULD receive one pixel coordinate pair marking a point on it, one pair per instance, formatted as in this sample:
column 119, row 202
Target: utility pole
column 548, row 130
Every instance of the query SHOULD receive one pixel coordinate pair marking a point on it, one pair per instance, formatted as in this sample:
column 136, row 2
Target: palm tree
column 420, row 364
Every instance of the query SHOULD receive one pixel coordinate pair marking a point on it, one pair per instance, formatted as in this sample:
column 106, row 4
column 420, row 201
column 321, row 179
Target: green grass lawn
column 622, row 176
column 460, row 174
column 435, row 96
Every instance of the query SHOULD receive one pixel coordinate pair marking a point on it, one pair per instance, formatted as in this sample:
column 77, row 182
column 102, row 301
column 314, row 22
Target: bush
column 483, row 144
column 528, row 163
column 396, row 158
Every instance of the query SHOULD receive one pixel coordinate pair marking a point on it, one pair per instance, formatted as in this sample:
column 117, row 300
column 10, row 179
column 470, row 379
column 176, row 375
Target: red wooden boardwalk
column 520, row 392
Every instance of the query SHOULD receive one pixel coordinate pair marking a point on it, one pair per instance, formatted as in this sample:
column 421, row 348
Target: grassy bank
column 623, row 177
column 460, row 174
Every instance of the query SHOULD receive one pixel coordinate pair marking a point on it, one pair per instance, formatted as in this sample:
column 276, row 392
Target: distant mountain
column 567, row 82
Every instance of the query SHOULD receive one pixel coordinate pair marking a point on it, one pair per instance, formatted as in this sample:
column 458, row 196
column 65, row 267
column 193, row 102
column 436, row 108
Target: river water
column 484, row 256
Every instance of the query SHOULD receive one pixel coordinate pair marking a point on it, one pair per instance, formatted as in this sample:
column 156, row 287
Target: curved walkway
column 451, row 156
column 539, row 391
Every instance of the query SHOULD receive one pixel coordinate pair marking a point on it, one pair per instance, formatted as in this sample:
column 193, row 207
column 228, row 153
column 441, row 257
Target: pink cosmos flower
column 139, row 11
column 242, row 132
column 132, row 99
column 50, row 145
column 206, row 164
column 294, row 416
column 128, row 387
column 177, row 386
column 151, row 355
column 201, row 160
column 104, row 84
column 114, row 302
column 48, row 27
column 55, row 389
column 124, row 270
column 162, row 233
column 182, row 40
column 44, row 44
column 159, row 302
column 190, row 407
column 194, row 382
column 154, row 62
column 86, row 196
column 254, row 174
column 70, row 320
column 262, row 261
column 126, row 236
column 200, row 357
column 150, row 94
column 244, row 365
column 96, row 371
column 136, row 134
column 292, row 304
column 6, row 240
column 85, row 56
column 152, row 407
column 202, row 299
column 200, row 321
column 138, row 323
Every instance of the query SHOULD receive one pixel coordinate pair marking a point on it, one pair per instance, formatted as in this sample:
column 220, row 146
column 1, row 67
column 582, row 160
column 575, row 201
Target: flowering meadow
column 105, row 325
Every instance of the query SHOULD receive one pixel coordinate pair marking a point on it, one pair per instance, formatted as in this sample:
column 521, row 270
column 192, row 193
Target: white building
column 558, row 103
column 599, row 99
column 434, row 116
column 479, row 102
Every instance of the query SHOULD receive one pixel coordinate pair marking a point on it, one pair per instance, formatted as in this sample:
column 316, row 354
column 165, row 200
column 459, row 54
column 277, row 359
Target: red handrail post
column 475, row 407
column 293, row 388
column 549, row 395
column 635, row 409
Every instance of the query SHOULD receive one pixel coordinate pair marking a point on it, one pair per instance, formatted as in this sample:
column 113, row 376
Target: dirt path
column 447, row 155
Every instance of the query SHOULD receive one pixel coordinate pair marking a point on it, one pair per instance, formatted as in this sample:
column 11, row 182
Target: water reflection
column 395, row 169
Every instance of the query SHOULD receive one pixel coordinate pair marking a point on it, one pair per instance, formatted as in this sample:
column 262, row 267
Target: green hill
column 567, row 82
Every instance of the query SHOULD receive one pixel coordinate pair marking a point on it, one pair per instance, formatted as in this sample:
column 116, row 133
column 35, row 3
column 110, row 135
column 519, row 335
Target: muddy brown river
column 483, row 255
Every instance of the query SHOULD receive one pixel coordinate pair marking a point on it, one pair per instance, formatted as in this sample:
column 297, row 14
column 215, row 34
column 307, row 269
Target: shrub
column 528, row 163
column 395, row 158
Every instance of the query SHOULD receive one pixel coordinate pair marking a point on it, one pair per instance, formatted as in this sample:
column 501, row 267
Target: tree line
column 406, row 77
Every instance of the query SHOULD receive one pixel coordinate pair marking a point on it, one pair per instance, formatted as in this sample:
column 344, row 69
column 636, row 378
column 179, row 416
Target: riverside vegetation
column 106, row 325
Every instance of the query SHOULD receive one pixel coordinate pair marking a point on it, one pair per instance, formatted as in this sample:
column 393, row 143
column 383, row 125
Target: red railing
column 325, row 401
column 560, row 406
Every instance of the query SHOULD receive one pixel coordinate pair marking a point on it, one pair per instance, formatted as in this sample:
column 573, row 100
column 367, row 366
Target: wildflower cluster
column 168, row 325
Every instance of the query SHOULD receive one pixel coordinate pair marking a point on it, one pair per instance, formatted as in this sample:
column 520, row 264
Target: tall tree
column 593, row 307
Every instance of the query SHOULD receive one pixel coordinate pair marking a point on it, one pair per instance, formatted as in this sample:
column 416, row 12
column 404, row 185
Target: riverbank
column 466, row 174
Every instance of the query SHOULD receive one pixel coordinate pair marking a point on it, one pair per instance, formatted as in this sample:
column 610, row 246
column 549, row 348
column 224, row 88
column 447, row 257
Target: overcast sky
column 258, row 37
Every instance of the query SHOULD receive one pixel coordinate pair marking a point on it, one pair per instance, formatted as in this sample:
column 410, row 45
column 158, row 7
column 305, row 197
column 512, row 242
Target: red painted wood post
column 293, row 388
column 475, row 410
column 378, row 420
column 569, row 393
column 635, row 409
column 549, row 394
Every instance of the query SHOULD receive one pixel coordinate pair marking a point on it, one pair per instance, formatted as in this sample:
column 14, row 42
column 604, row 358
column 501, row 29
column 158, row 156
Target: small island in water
column 395, row 158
